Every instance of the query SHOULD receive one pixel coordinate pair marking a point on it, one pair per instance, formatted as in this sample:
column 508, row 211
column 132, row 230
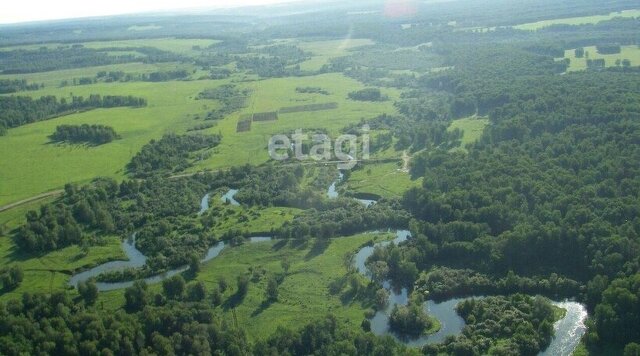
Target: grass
column 252, row 220
column 270, row 95
column 577, row 20
column 472, row 129
column 47, row 273
column 303, row 295
column 384, row 179
column 632, row 53
column 32, row 164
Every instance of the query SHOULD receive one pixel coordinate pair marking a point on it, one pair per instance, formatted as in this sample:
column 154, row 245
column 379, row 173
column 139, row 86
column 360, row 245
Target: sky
column 15, row 11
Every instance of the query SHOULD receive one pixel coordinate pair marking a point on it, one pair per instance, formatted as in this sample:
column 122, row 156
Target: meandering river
column 568, row 331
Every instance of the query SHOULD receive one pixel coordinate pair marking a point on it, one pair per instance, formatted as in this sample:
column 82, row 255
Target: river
column 568, row 330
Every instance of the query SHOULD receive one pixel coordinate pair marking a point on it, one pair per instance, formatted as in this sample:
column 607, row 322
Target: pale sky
column 12, row 11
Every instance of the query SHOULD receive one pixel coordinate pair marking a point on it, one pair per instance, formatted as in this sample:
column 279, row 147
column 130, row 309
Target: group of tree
column 21, row 110
column 171, row 153
column 11, row 277
column 273, row 61
column 77, row 56
column 513, row 325
column 231, row 99
column 92, row 134
column 411, row 320
column 8, row 86
column 367, row 94
column 56, row 324
column 158, row 76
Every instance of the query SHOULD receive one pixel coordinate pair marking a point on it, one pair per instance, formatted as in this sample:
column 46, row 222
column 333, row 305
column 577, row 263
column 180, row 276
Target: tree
column 173, row 287
column 243, row 284
column 632, row 349
column 136, row 297
column 88, row 291
column 409, row 320
column 285, row 262
column 11, row 278
column 272, row 289
column 366, row 325
column 194, row 264
column 222, row 284
column 196, row 291
column 382, row 298
column 216, row 297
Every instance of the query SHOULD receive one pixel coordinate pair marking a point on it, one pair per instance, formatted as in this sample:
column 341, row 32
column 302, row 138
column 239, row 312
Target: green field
column 272, row 94
column 472, row 129
column 532, row 26
column 632, row 53
column 33, row 165
column 304, row 293
column 384, row 179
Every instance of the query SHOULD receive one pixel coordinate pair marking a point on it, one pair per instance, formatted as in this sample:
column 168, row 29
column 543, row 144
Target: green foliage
column 618, row 313
column 8, row 86
column 174, row 287
column 75, row 56
column 367, row 94
column 93, row 134
column 327, row 337
column 514, row 325
column 409, row 320
column 171, row 329
column 11, row 278
column 88, row 291
column 136, row 297
column 170, row 154
column 21, row 110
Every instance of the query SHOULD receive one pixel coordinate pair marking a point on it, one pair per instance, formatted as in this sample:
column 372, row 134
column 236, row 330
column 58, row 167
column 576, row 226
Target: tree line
column 21, row 110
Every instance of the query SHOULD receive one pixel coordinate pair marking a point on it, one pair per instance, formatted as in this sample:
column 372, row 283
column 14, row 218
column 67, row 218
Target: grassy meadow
column 632, row 53
column 387, row 180
column 472, row 129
